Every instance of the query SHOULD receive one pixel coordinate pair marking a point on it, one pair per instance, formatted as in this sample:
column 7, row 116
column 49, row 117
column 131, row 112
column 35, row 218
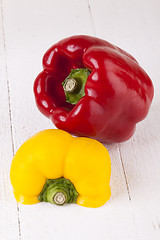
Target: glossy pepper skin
column 54, row 154
column 118, row 92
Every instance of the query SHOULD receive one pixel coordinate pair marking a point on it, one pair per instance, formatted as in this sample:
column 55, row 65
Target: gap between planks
column 124, row 172
column 91, row 17
column 118, row 146
column 9, row 103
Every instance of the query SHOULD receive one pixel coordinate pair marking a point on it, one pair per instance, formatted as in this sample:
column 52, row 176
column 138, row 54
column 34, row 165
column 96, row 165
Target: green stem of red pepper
column 74, row 84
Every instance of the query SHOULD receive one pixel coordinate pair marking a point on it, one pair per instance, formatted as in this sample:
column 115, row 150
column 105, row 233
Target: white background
column 27, row 29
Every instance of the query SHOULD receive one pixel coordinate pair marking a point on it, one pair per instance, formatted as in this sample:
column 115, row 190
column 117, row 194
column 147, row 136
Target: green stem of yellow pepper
column 58, row 191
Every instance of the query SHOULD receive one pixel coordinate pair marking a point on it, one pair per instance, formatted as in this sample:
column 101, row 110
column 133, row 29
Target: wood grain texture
column 27, row 29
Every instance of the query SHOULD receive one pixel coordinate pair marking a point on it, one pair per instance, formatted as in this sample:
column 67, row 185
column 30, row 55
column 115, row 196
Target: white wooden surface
column 27, row 29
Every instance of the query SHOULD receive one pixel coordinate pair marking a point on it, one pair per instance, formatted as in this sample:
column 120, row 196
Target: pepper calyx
column 74, row 85
column 58, row 191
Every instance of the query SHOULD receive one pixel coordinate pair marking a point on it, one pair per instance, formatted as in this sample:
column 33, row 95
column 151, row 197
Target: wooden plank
column 133, row 26
column 9, row 227
column 141, row 160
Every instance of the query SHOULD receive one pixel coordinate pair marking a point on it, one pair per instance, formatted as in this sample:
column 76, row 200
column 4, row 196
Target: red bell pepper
column 92, row 88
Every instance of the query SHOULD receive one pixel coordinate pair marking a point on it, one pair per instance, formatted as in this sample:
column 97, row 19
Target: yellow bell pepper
column 55, row 167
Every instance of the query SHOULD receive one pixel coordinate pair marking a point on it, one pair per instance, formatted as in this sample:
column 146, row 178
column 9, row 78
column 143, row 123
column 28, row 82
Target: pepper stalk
column 58, row 191
column 74, row 85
